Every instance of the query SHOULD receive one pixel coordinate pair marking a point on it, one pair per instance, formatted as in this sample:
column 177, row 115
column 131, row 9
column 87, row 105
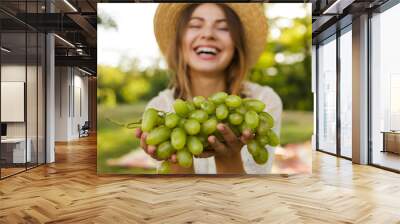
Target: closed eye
column 222, row 25
column 195, row 26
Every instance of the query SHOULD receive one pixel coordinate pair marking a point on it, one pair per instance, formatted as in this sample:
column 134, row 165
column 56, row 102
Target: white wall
column 62, row 81
column 12, row 101
column 13, row 73
column 71, row 87
column 80, row 109
column 33, row 126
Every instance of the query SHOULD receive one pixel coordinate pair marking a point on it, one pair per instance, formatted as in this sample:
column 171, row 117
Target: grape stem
column 131, row 125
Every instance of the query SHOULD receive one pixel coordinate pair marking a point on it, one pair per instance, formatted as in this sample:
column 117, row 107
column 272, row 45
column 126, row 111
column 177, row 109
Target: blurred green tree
column 134, row 89
column 285, row 64
column 106, row 21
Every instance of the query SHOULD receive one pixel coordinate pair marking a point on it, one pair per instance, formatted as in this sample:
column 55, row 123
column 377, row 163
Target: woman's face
column 207, row 43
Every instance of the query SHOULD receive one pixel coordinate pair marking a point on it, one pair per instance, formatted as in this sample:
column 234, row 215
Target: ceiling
column 328, row 16
column 75, row 21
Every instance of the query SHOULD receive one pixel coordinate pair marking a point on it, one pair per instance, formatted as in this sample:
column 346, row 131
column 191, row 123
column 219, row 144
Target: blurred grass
column 297, row 127
column 114, row 141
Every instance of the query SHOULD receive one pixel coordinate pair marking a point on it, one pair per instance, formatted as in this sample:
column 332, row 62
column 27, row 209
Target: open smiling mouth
column 207, row 53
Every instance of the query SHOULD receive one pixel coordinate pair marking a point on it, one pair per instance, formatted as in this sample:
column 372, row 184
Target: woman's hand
column 232, row 145
column 150, row 149
column 227, row 155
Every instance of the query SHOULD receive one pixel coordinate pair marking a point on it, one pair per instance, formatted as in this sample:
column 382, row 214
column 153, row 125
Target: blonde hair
column 237, row 69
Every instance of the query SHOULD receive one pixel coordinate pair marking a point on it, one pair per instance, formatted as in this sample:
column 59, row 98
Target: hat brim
column 251, row 16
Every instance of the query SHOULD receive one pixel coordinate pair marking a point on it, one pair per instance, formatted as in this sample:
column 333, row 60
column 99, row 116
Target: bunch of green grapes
column 185, row 131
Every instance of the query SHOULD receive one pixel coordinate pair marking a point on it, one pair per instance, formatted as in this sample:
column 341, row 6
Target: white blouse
column 165, row 100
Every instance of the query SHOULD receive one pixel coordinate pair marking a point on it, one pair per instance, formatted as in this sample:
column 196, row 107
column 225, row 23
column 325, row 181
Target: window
column 346, row 92
column 385, row 89
column 327, row 95
column 22, row 75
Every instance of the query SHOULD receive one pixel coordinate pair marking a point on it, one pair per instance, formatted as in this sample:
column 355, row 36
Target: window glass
column 327, row 96
column 345, row 94
column 385, row 84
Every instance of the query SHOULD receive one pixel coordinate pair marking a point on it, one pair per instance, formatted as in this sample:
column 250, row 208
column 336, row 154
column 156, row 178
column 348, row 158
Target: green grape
column 262, row 157
column 190, row 106
column 171, row 120
column 273, row 138
column 256, row 105
column 241, row 110
column 235, row 119
column 262, row 139
column 149, row 119
column 218, row 98
column 198, row 100
column 164, row 150
column 181, row 108
column 192, row 126
column 263, row 128
column 253, row 147
column 204, row 140
column 199, row 115
column 158, row 135
column 251, row 118
column 233, row 101
column 209, row 126
column 194, row 145
column 184, row 158
column 244, row 126
column 160, row 120
column 222, row 112
column 208, row 107
column 178, row 138
column 182, row 122
column 246, row 100
column 165, row 168
column 267, row 118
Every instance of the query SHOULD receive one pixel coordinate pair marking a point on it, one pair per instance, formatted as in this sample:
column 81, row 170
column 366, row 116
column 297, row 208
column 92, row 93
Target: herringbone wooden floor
column 69, row 191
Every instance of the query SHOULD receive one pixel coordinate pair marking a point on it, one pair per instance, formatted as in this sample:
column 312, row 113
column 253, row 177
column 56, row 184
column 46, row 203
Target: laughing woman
column 210, row 48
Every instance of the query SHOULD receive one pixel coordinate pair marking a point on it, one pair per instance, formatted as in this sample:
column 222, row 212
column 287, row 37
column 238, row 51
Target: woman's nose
column 207, row 32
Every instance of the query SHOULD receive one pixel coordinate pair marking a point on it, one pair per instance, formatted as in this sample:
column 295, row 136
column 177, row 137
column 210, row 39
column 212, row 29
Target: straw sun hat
column 251, row 16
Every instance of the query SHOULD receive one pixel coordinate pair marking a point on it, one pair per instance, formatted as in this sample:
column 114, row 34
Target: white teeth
column 209, row 50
